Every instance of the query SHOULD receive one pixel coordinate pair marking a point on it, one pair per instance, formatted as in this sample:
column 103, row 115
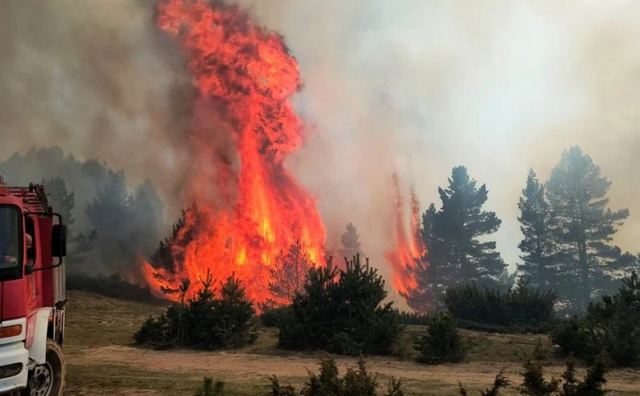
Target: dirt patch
column 247, row 367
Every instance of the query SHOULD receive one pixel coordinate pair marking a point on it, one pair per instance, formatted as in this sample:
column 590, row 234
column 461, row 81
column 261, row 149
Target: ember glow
column 409, row 246
column 247, row 206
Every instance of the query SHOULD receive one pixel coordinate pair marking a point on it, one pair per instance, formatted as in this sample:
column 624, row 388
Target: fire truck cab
column 32, row 293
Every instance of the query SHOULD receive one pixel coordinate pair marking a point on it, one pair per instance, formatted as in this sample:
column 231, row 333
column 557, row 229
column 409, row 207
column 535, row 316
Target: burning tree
column 407, row 257
column 249, row 206
column 288, row 272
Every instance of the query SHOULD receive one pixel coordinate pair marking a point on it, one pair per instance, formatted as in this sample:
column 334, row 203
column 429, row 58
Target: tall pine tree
column 456, row 253
column 538, row 245
column 582, row 225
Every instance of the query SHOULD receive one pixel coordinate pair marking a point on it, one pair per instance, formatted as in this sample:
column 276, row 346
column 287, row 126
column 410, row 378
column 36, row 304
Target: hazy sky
column 411, row 87
column 499, row 86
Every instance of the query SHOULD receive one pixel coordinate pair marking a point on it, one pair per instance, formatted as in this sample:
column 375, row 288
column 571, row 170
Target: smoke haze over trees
column 98, row 79
column 568, row 229
column 567, row 247
column 549, row 78
column 111, row 224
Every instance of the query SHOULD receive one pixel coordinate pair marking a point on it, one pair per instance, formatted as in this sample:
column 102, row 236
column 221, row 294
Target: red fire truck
column 32, row 293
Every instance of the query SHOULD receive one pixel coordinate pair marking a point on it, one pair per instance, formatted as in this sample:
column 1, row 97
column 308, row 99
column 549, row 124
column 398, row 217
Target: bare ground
column 102, row 360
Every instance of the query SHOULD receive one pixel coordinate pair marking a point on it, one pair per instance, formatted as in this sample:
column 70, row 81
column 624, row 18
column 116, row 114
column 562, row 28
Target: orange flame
column 244, row 78
column 409, row 245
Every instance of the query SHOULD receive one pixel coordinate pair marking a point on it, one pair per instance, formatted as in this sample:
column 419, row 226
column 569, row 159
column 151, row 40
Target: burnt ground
column 102, row 359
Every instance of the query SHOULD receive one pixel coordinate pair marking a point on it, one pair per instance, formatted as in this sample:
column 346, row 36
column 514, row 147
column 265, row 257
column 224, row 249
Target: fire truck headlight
column 10, row 331
column 10, row 370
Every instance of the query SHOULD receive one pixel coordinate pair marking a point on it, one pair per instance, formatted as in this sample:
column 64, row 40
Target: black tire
column 48, row 379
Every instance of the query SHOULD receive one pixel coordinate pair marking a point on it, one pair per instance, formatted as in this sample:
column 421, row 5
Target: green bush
column 534, row 383
column 590, row 386
column 275, row 389
column 442, row 342
column 275, row 316
column 357, row 381
column 523, row 307
column 206, row 321
column 341, row 311
column 574, row 338
column 610, row 328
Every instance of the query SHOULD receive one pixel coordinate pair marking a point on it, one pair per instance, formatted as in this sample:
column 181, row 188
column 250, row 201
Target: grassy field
column 102, row 359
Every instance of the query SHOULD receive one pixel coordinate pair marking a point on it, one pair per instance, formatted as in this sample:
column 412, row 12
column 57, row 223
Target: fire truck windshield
column 9, row 237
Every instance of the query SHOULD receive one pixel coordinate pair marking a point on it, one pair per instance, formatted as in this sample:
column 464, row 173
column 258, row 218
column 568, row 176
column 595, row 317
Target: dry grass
column 103, row 360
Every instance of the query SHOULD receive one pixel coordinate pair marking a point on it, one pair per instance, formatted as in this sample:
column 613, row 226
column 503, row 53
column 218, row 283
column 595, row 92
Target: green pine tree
column 538, row 245
column 453, row 235
column 582, row 224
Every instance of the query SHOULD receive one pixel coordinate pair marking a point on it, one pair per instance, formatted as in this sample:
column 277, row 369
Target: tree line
column 567, row 246
column 110, row 224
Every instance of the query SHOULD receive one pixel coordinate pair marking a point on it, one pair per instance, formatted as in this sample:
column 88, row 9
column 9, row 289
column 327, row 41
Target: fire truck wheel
column 48, row 379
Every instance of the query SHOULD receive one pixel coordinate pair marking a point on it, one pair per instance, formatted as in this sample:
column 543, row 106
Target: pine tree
column 453, row 235
column 341, row 311
column 350, row 242
column 538, row 245
column 582, row 224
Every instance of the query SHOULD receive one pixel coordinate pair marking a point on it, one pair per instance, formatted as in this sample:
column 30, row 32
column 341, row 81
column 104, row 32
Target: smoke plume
column 408, row 87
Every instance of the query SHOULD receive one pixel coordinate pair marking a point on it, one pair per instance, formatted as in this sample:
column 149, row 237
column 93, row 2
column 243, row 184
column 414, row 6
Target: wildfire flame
column 244, row 79
column 409, row 245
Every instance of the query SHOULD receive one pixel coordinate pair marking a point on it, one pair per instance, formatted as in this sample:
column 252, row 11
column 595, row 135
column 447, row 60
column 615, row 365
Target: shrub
column 110, row 286
column 610, row 328
column 591, row 386
column 412, row 318
column 534, row 383
column 395, row 387
column 274, row 316
column 357, row 381
column 210, row 388
column 523, row 307
column 275, row 389
column 574, row 337
column 341, row 311
column 206, row 321
column 442, row 342
column 498, row 383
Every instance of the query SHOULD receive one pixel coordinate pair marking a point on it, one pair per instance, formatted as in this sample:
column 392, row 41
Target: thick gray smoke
column 418, row 87
column 408, row 86
column 99, row 80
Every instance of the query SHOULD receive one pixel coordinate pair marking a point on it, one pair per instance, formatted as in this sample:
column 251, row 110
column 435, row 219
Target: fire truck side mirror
column 59, row 240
